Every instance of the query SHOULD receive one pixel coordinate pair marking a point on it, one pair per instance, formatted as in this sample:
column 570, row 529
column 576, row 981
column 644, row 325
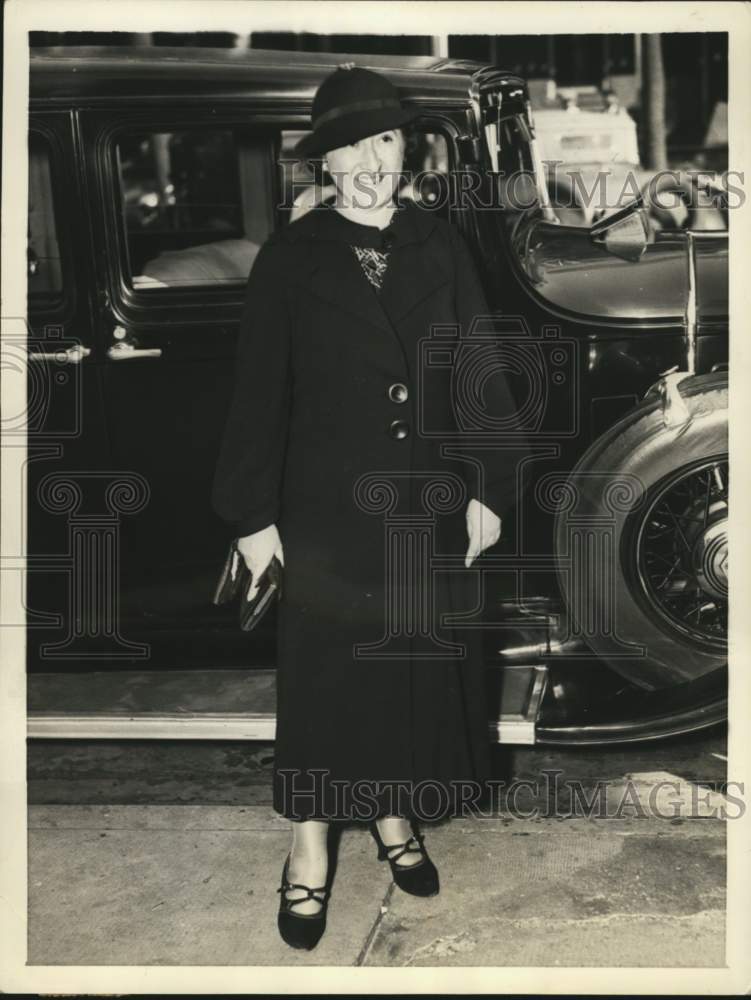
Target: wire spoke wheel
column 666, row 590
column 681, row 552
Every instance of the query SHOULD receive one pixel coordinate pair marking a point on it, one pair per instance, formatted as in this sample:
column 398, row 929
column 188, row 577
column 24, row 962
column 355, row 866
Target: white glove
column 258, row 550
column 483, row 529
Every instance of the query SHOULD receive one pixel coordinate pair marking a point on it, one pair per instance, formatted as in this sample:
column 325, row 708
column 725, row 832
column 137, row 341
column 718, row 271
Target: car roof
column 96, row 73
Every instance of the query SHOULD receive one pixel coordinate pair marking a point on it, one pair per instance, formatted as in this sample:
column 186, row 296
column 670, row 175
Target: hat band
column 381, row 103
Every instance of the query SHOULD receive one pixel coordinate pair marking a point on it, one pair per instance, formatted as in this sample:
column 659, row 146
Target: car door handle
column 70, row 355
column 122, row 351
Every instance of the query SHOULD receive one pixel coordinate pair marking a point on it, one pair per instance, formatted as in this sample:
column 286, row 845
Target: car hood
column 577, row 275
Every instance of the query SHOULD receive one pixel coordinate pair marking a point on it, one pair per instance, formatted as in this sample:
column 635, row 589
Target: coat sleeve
column 248, row 477
column 495, row 481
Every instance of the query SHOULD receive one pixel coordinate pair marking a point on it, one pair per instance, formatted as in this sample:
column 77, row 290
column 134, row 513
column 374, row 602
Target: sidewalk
column 196, row 885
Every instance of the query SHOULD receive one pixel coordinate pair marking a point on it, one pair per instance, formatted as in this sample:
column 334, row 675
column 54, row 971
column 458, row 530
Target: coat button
column 398, row 393
column 399, row 429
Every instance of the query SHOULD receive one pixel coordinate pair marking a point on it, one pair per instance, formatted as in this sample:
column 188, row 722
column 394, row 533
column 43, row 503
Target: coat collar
column 410, row 224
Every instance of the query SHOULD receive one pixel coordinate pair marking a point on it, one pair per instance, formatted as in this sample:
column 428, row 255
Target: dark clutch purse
column 236, row 579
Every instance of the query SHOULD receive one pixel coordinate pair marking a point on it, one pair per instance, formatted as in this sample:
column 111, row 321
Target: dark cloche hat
column 350, row 104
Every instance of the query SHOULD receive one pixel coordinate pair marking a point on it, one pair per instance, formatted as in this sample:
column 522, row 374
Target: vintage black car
column 154, row 176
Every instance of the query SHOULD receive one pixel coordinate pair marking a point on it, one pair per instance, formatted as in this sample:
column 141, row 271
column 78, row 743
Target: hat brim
column 349, row 128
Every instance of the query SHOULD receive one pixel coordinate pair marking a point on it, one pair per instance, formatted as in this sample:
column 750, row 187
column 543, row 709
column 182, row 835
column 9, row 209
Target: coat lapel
column 413, row 274
column 416, row 269
column 335, row 275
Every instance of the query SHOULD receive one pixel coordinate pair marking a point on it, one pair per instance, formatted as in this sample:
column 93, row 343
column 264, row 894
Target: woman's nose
column 370, row 158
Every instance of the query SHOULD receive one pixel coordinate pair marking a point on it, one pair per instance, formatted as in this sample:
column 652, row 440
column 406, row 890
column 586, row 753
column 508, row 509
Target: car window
column 45, row 272
column 197, row 205
column 426, row 168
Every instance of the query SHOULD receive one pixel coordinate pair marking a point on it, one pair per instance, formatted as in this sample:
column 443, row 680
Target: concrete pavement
column 196, row 885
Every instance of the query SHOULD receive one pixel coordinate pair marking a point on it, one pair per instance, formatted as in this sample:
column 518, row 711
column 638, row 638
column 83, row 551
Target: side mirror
column 625, row 233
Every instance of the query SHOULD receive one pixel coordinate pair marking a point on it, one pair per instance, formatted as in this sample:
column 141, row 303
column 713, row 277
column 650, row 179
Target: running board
column 169, row 705
column 152, row 726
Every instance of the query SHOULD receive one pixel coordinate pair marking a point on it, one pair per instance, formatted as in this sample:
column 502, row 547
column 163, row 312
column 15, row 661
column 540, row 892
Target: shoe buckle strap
column 310, row 893
column 413, row 844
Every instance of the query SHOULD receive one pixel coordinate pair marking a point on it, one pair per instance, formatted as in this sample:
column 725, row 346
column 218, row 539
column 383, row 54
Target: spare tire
column 641, row 536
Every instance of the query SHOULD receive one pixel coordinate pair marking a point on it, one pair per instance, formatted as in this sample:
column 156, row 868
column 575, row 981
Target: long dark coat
column 373, row 685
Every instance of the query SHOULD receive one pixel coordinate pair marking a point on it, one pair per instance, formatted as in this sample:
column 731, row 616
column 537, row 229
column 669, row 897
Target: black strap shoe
column 301, row 930
column 418, row 879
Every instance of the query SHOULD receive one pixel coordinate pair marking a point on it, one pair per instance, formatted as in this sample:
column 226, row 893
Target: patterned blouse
column 373, row 263
column 370, row 245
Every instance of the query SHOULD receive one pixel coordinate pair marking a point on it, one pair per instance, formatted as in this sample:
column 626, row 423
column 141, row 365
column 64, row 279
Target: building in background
column 695, row 65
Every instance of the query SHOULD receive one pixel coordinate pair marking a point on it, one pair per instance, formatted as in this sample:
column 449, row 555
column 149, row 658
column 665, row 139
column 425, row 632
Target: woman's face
column 366, row 172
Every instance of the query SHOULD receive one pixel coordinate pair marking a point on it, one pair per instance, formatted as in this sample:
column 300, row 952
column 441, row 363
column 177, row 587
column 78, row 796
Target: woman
column 332, row 459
